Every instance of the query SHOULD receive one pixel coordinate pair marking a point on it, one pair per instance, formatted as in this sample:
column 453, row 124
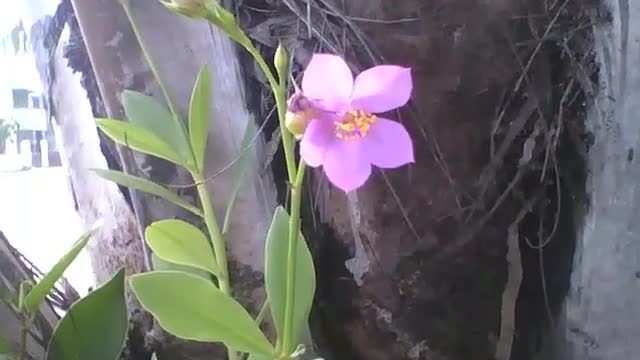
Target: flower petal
column 382, row 88
column 388, row 144
column 346, row 165
column 318, row 136
column 328, row 82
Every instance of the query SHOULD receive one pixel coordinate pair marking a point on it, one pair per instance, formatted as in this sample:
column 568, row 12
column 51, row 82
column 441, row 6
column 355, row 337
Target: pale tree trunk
column 601, row 316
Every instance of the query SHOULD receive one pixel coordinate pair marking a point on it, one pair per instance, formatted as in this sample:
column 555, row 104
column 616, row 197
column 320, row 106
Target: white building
column 22, row 98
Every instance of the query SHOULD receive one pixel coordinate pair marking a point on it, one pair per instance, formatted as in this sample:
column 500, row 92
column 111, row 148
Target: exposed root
column 512, row 287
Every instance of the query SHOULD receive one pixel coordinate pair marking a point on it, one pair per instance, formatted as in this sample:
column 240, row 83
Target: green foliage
column 181, row 243
column 148, row 186
column 259, row 357
column 146, row 112
column 184, row 300
column 199, row 116
column 163, row 265
column 95, row 327
column 276, row 269
column 141, row 139
column 195, row 9
column 193, row 308
column 36, row 296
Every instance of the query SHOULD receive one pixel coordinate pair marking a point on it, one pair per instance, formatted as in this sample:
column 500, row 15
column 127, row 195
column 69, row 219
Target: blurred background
column 36, row 205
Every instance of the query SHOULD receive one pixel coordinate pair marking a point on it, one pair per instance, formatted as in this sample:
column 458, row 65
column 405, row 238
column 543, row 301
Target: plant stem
column 24, row 330
column 278, row 88
column 217, row 242
column 263, row 312
column 294, row 237
column 279, row 92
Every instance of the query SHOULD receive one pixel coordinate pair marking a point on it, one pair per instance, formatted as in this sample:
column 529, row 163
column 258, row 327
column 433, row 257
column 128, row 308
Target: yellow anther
column 354, row 125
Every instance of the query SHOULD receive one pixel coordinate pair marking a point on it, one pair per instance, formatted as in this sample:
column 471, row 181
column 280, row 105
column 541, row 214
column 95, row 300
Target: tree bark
column 600, row 318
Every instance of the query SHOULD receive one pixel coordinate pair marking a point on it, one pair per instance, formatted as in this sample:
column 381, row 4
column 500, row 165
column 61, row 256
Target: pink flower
column 348, row 138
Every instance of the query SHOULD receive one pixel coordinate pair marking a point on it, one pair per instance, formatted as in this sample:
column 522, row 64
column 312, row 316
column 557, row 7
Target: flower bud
column 300, row 112
column 196, row 9
column 281, row 61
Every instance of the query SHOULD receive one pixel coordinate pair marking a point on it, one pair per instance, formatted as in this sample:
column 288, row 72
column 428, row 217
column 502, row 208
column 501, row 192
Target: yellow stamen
column 354, row 125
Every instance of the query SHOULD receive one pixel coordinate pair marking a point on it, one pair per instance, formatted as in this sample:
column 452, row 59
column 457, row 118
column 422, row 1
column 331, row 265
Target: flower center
column 354, row 125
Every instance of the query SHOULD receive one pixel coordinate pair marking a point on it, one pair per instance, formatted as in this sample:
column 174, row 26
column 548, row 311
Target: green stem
column 263, row 312
column 279, row 89
column 24, row 331
column 279, row 92
column 294, row 237
column 217, row 242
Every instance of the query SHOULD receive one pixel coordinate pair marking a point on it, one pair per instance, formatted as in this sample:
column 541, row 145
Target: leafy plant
column 210, row 313
column 93, row 328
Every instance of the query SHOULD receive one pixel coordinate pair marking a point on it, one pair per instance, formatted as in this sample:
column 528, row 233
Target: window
column 35, row 102
column 20, row 98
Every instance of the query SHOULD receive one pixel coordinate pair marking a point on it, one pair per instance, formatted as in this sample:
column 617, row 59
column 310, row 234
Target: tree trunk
column 600, row 318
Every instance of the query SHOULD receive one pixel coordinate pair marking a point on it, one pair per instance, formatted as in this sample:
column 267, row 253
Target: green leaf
column 148, row 186
column 181, row 243
column 145, row 111
column 140, row 139
column 240, row 170
column 199, row 113
column 36, row 296
column 193, row 308
column 259, row 357
column 95, row 326
column 276, row 268
column 160, row 264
